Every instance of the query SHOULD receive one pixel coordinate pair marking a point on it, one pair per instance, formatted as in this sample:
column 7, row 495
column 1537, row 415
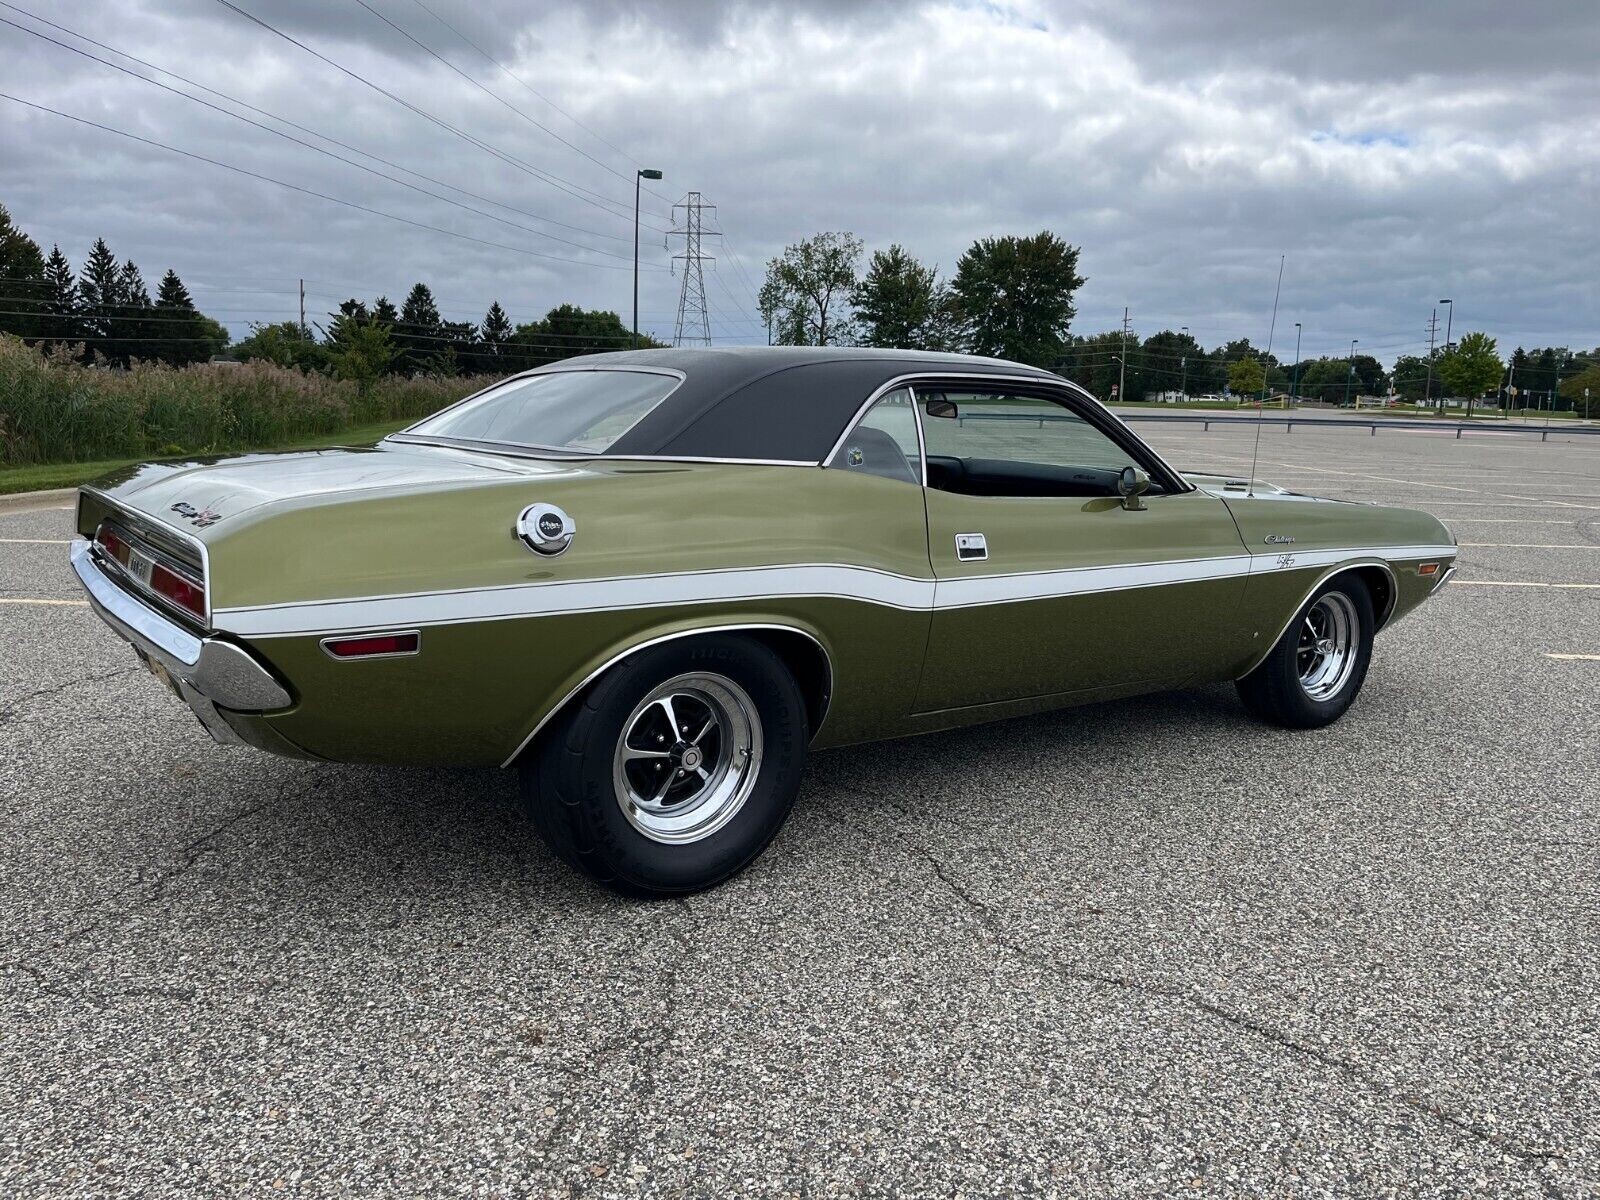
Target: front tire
column 1313, row 674
column 675, row 770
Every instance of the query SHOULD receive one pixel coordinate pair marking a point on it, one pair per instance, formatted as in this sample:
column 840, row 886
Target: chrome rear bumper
column 206, row 671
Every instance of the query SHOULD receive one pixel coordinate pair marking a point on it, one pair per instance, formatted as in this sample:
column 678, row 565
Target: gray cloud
column 1394, row 157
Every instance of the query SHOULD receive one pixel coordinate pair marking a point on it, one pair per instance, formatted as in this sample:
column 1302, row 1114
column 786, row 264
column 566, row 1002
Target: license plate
column 139, row 566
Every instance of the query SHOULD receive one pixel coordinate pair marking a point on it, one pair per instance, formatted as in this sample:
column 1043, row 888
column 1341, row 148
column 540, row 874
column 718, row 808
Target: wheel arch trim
column 1344, row 568
column 634, row 647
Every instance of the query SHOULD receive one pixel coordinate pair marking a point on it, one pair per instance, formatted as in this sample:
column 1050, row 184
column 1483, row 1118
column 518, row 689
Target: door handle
column 971, row 547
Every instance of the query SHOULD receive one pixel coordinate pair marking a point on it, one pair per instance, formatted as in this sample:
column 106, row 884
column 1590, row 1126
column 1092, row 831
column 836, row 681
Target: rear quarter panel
column 287, row 578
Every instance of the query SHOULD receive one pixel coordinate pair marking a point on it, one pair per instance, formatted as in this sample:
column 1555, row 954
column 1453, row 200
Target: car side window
column 884, row 441
column 989, row 443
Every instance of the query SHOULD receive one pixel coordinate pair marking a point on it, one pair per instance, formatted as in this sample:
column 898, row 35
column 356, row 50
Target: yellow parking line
column 37, row 541
column 1575, row 657
column 30, row 600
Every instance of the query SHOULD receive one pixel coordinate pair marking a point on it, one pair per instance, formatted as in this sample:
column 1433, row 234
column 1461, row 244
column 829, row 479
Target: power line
column 210, row 91
column 517, row 79
column 309, row 146
column 528, row 168
column 429, row 50
column 294, row 187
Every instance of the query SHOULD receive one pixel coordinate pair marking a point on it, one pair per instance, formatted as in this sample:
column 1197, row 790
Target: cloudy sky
column 1394, row 153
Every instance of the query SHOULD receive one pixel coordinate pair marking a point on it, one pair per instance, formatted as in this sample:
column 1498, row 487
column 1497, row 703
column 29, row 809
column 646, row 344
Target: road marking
column 30, row 600
column 1531, row 546
column 1574, row 657
column 36, row 541
column 1517, row 583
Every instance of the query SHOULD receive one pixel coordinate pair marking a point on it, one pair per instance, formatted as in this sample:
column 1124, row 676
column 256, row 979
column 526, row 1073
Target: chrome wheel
column 688, row 758
column 1330, row 636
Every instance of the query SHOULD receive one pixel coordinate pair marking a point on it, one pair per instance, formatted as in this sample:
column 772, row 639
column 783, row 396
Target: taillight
column 112, row 544
column 178, row 589
column 373, row 645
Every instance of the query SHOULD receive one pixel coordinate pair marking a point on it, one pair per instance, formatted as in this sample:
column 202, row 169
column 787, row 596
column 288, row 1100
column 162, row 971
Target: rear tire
column 1313, row 674
column 675, row 770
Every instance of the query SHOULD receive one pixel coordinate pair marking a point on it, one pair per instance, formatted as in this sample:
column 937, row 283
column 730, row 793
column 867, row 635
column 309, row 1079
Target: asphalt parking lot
column 1142, row 949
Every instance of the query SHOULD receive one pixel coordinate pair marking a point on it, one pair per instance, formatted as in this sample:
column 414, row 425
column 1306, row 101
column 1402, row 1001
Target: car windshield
column 582, row 412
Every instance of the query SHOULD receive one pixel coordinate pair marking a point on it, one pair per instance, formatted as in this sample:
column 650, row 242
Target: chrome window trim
column 922, row 441
column 827, row 664
column 1047, row 382
column 669, row 372
column 134, row 518
column 578, row 457
column 372, row 633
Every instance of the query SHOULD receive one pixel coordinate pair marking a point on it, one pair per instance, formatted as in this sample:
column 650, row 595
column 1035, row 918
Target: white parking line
column 36, row 541
column 1574, row 657
column 31, row 600
column 1518, row 583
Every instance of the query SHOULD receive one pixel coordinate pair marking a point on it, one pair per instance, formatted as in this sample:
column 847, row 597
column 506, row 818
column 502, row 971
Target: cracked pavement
column 1140, row 949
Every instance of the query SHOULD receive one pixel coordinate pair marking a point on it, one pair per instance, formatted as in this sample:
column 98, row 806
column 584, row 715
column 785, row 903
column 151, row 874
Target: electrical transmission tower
column 694, row 318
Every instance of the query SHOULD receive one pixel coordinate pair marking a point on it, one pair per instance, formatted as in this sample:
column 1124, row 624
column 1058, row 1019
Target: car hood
column 198, row 494
column 1231, row 486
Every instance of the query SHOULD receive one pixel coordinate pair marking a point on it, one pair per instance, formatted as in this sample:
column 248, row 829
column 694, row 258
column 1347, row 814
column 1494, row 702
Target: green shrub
column 54, row 408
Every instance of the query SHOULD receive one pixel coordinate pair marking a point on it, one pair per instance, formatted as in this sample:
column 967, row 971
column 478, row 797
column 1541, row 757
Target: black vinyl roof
column 770, row 402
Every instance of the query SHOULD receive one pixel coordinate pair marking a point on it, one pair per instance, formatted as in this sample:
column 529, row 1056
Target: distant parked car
column 652, row 581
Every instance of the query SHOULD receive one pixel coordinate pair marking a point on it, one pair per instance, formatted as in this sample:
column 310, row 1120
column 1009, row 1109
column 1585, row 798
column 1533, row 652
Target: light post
column 1351, row 373
column 1294, row 380
column 1449, row 319
column 641, row 174
column 1183, row 388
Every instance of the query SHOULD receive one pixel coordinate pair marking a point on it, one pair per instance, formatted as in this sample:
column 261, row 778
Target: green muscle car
column 652, row 581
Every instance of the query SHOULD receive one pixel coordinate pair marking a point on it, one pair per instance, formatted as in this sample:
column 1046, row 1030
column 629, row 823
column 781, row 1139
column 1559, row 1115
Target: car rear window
column 582, row 412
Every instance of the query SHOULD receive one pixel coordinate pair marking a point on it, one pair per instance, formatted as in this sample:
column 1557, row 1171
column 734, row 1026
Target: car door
column 1045, row 582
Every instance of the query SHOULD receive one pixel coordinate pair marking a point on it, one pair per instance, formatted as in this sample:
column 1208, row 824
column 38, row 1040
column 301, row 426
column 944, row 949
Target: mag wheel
column 675, row 770
column 1315, row 671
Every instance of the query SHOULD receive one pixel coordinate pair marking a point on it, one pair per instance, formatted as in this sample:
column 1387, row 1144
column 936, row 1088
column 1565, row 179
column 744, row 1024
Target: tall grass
column 54, row 409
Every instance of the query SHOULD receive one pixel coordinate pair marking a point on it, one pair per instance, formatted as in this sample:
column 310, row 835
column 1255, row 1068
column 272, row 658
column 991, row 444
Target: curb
column 22, row 501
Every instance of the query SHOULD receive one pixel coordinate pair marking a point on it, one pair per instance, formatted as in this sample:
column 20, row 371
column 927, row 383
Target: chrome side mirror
column 1132, row 484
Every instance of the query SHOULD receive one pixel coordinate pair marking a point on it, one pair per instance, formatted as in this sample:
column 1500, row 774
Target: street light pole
column 1351, row 373
column 1294, row 381
column 641, row 174
column 1183, row 388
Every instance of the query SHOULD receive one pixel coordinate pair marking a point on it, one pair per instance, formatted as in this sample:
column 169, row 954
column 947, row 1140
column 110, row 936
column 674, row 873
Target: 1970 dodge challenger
column 653, row 580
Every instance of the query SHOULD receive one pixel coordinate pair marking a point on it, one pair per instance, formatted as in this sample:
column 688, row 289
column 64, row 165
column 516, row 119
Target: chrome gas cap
column 545, row 529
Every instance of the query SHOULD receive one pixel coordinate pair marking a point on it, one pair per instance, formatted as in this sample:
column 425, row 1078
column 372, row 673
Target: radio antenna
column 1250, row 485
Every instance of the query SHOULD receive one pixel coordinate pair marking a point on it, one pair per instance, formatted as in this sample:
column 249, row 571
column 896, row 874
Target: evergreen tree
column 418, row 331
column 180, row 327
column 132, row 330
column 61, row 299
column 383, row 312
column 493, row 335
column 100, row 295
column 22, row 282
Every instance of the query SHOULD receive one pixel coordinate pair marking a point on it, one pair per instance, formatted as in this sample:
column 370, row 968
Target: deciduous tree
column 1017, row 294
column 1471, row 367
column 808, row 289
column 900, row 303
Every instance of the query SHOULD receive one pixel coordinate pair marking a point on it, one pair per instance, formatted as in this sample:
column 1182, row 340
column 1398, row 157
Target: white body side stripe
column 862, row 584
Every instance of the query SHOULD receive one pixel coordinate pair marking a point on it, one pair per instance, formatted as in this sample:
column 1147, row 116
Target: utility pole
column 1449, row 320
column 1122, row 374
column 303, row 331
column 1427, row 388
column 1351, row 373
column 692, row 310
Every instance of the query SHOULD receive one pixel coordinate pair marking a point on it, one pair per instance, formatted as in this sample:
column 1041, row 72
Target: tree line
column 103, row 313
column 104, row 310
column 1014, row 297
